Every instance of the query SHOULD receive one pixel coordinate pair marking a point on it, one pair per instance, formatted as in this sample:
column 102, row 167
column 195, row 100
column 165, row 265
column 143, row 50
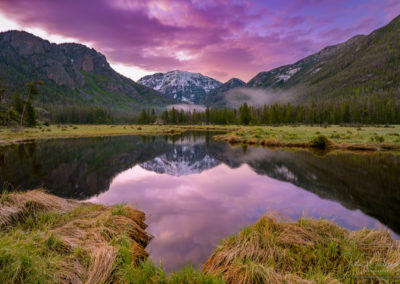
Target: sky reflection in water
column 188, row 215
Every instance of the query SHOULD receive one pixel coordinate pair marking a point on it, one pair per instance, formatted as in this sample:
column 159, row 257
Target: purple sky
column 218, row 38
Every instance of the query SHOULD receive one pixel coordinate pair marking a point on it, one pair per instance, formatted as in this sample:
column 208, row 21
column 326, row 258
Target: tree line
column 80, row 115
column 363, row 110
column 358, row 109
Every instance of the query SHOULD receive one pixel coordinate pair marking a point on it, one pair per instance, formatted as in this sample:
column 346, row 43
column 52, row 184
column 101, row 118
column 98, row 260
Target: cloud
column 220, row 38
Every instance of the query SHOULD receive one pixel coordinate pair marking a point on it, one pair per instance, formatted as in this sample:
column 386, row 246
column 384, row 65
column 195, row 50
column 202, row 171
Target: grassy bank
column 9, row 136
column 46, row 239
column 307, row 251
column 334, row 137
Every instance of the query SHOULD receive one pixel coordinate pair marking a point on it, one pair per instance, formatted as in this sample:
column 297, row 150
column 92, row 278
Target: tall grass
column 308, row 250
column 46, row 239
column 29, row 258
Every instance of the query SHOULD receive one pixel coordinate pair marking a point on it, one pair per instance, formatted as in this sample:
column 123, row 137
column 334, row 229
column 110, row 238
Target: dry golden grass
column 81, row 239
column 308, row 251
column 16, row 207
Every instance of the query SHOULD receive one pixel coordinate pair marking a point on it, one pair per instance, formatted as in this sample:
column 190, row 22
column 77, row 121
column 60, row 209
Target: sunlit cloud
column 6, row 25
column 132, row 72
column 219, row 38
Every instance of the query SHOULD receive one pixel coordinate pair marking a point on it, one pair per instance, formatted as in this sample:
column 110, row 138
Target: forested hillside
column 360, row 67
column 72, row 74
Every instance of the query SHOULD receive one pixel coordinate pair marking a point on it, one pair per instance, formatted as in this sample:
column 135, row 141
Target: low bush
column 320, row 142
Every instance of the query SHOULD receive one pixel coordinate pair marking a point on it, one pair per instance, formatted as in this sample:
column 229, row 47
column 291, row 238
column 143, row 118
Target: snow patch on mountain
column 288, row 74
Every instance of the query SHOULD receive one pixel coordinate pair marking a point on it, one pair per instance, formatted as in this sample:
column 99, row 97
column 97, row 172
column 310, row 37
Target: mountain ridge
column 73, row 74
column 363, row 65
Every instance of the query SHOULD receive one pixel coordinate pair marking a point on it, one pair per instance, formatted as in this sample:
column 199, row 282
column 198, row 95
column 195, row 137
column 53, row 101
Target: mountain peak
column 234, row 81
column 184, row 86
column 216, row 97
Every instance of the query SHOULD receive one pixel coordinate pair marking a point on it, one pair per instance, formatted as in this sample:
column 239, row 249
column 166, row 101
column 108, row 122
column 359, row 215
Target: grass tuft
column 315, row 251
column 47, row 239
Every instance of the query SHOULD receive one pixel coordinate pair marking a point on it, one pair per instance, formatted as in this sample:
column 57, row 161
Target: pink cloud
column 222, row 38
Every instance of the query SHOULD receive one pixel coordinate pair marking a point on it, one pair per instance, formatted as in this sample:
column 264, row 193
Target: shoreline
column 368, row 138
column 26, row 135
column 365, row 138
column 306, row 145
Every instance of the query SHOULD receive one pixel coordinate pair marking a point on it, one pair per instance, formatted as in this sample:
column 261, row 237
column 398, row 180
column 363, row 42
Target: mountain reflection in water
column 196, row 191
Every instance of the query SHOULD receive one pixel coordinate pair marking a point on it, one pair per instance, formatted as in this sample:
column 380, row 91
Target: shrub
column 320, row 142
column 378, row 138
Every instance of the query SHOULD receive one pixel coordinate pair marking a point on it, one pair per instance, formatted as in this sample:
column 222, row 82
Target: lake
column 196, row 191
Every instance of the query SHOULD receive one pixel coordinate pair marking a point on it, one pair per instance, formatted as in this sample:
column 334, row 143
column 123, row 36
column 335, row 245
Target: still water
column 196, row 191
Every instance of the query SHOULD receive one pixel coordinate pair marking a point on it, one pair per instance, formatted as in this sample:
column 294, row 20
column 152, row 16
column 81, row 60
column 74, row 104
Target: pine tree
column 165, row 117
column 244, row 114
column 208, row 115
column 18, row 102
column 30, row 114
column 143, row 117
column 32, row 92
column 153, row 116
column 174, row 116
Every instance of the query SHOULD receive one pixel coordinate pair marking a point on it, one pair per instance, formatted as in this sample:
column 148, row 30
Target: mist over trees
column 376, row 109
column 362, row 110
column 371, row 110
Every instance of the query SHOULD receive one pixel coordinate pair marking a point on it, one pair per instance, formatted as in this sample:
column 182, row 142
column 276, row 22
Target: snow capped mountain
column 183, row 160
column 181, row 85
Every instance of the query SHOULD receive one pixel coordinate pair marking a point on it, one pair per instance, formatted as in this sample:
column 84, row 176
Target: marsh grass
column 47, row 239
column 370, row 138
column 340, row 137
column 307, row 251
column 8, row 136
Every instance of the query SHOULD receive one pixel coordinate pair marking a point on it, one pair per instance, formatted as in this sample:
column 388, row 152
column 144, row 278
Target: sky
column 218, row 38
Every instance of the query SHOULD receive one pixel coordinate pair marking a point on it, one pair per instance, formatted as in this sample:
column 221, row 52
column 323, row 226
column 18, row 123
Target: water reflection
column 197, row 191
column 189, row 215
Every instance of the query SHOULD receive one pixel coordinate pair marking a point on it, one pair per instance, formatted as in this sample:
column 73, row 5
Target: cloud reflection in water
column 190, row 214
